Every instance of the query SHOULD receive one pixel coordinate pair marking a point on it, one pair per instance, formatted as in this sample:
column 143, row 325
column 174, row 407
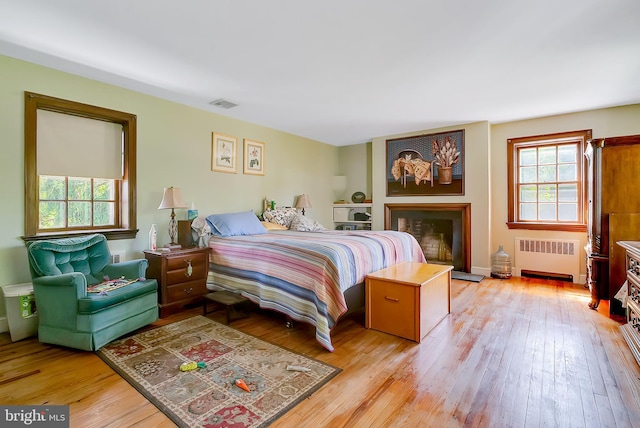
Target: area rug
column 465, row 276
column 207, row 396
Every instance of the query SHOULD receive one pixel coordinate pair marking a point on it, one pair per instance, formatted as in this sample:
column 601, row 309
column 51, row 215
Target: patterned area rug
column 208, row 397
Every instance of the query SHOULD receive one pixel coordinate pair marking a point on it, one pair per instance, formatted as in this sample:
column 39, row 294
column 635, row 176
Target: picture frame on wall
column 423, row 165
column 253, row 157
column 224, row 156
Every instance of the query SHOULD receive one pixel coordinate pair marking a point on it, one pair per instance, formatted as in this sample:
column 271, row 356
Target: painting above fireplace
column 430, row 164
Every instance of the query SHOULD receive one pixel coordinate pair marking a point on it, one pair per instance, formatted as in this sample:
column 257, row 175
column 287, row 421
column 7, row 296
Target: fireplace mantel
column 458, row 213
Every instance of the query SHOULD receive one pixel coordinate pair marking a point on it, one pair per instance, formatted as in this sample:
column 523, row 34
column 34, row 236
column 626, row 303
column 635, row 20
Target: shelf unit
column 344, row 216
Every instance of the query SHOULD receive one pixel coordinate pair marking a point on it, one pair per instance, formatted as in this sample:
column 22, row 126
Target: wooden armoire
column 613, row 213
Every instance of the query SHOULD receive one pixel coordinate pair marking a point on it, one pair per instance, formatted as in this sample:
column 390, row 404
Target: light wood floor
column 516, row 353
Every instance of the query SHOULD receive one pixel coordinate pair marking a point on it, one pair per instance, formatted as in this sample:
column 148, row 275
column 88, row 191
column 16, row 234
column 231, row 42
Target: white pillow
column 305, row 224
column 281, row 216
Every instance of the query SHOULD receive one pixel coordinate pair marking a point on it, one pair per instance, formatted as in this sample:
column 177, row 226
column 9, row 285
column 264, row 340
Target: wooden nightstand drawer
column 186, row 268
column 181, row 261
column 181, row 275
column 408, row 299
column 186, row 290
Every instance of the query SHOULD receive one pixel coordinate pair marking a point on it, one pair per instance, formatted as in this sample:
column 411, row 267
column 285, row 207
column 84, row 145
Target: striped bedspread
column 304, row 274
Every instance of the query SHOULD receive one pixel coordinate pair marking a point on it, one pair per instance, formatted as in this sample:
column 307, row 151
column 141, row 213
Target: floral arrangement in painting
column 446, row 152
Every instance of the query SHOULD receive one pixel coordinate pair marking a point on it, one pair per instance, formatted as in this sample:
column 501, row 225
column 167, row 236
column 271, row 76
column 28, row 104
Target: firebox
column 442, row 230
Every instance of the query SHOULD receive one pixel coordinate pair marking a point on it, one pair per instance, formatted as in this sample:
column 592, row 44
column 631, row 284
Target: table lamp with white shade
column 172, row 199
column 303, row 202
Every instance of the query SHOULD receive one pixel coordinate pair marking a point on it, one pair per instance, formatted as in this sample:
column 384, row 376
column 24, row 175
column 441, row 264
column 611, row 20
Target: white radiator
column 555, row 256
column 117, row 256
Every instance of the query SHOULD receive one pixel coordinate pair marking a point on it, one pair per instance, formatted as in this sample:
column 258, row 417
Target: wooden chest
column 408, row 299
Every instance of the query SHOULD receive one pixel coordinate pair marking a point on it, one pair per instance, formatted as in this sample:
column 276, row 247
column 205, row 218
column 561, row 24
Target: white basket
column 341, row 214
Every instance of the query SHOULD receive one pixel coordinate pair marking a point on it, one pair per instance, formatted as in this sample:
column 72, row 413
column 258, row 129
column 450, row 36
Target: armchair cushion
column 94, row 302
column 86, row 254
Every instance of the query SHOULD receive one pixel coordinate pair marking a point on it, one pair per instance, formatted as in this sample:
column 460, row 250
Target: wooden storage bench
column 408, row 299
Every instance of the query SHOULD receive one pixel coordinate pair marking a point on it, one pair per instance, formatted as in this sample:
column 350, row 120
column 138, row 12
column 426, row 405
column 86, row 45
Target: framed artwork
column 223, row 153
column 423, row 165
column 253, row 157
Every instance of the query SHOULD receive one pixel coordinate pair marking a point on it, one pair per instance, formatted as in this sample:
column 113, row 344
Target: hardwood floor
column 512, row 353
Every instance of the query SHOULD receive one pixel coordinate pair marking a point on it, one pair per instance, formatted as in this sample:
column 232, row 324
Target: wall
column 354, row 162
column 609, row 122
column 486, row 175
column 174, row 149
column 477, row 188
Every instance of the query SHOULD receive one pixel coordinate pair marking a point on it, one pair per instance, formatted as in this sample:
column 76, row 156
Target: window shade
column 75, row 146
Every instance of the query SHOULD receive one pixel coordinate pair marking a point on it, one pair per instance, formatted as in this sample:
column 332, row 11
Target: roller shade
column 75, row 146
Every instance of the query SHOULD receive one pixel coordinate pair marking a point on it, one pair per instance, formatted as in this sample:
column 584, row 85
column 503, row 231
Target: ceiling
column 344, row 71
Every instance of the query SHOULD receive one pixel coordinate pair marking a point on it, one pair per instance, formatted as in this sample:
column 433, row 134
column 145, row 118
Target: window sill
column 548, row 226
column 111, row 234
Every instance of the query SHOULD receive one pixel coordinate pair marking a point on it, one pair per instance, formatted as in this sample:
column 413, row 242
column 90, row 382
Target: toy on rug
column 242, row 385
column 298, row 368
column 192, row 365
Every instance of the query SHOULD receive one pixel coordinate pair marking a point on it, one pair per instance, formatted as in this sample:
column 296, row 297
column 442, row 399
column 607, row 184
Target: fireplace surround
column 442, row 230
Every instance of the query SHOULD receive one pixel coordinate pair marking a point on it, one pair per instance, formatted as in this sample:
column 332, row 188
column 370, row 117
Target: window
column 79, row 169
column 547, row 181
column 77, row 203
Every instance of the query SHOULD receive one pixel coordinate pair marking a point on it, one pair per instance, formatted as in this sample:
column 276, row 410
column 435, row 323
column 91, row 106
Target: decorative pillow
column 272, row 226
column 281, row 216
column 232, row 224
column 305, row 224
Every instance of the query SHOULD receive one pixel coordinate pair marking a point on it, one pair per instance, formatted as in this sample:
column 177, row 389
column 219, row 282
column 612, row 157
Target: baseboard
column 4, row 325
column 487, row 272
column 481, row 271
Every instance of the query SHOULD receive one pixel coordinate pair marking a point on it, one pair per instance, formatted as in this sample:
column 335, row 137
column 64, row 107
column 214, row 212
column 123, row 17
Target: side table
column 181, row 275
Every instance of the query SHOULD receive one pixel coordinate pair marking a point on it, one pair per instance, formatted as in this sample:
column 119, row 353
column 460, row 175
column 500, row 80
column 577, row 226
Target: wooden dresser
column 631, row 330
column 612, row 214
column 408, row 299
column 181, row 275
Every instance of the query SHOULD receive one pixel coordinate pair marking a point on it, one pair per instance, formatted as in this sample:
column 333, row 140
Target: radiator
column 549, row 256
column 117, row 256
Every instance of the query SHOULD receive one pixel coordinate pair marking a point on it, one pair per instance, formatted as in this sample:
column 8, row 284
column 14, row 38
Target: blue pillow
column 232, row 224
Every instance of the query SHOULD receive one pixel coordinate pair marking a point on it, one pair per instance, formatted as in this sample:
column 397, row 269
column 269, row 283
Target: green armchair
column 70, row 315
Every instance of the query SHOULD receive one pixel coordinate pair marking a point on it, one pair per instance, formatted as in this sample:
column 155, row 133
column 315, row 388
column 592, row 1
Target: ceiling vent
column 222, row 103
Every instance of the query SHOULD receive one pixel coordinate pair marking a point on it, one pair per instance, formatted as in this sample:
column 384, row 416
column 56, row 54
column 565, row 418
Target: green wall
column 174, row 149
column 354, row 162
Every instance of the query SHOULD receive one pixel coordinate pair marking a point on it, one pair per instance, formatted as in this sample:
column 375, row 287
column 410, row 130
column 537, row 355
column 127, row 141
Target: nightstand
column 181, row 275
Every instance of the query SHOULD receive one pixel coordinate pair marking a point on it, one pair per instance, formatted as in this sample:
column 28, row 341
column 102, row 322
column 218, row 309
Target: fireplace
column 442, row 230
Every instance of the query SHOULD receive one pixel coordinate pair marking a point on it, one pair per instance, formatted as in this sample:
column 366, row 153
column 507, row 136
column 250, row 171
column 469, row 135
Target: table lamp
column 172, row 199
column 303, row 202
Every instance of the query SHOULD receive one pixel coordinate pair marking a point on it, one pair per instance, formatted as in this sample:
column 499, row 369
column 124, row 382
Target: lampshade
column 172, row 198
column 303, row 201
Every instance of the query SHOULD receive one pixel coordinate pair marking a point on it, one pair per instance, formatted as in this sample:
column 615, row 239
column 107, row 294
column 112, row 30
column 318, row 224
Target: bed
column 305, row 275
